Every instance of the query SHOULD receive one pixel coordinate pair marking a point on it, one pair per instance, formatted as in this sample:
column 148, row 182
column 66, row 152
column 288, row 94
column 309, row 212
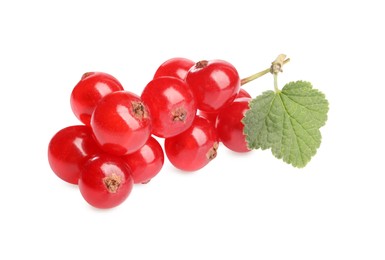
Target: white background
column 249, row 206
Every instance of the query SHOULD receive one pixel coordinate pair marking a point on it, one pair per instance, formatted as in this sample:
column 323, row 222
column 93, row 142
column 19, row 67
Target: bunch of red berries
column 192, row 106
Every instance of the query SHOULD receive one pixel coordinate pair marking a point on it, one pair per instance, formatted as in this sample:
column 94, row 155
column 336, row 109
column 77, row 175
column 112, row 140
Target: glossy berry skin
column 243, row 93
column 121, row 123
column 174, row 67
column 68, row 149
column 171, row 104
column 105, row 181
column 212, row 117
column 92, row 87
column 230, row 127
column 147, row 162
column 194, row 148
column 215, row 84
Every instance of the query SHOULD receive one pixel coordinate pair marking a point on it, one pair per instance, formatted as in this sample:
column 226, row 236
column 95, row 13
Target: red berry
column 147, row 162
column 230, row 127
column 194, row 148
column 121, row 123
column 105, row 181
column 171, row 104
column 69, row 149
column 89, row 90
column 243, row 93
column 212, row 117
column 215, row 84
column 175, row 67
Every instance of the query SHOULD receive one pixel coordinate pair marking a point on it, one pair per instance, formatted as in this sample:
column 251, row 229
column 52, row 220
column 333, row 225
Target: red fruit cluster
column 192, row 106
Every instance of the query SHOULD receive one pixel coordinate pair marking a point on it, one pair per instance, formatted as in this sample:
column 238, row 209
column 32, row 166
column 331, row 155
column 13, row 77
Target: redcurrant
column 147, row 162
column 105, row 181
column 215, row 84
column 121, row 123
column 195, row 147
column 89, row 90
column 230, row 127
column 175, row 67
column 212, row 117
column 69, row 149
column 243, row 93
column 171, row 104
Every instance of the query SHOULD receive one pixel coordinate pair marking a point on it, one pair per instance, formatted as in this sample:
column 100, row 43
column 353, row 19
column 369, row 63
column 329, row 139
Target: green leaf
column 287, row 122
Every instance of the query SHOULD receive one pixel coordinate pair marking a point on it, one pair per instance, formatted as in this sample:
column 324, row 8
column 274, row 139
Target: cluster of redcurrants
column 193, row 106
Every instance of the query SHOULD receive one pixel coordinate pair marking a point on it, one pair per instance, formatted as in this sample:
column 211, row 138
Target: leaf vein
column 302, row 105
column 305, row 129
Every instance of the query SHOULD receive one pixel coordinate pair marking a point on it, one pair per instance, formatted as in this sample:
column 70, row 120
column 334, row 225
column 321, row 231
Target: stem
column 276, row 82
column 259, row 74
column 254, row 76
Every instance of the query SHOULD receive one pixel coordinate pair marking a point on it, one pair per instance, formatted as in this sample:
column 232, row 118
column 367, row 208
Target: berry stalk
column 277, row 64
